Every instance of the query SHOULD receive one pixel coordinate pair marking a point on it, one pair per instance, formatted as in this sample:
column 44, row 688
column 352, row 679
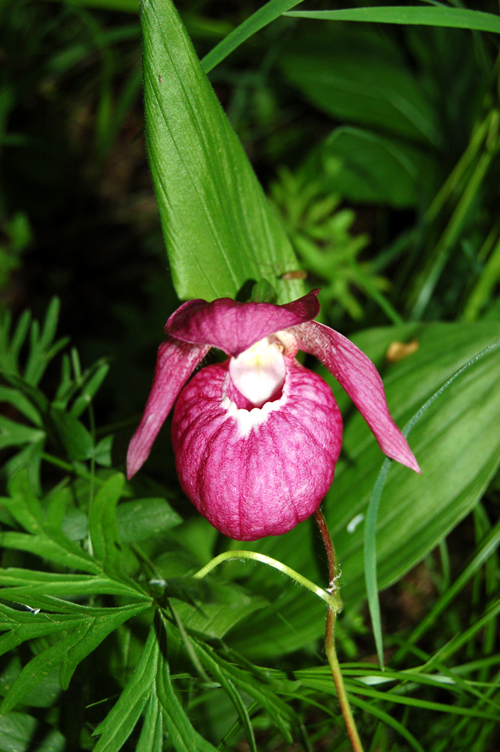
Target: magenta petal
column 248, row 480
column 234, row 327
column 359, row 377
column 175, row 363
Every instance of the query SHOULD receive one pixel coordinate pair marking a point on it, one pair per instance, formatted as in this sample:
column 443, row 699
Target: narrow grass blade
column 457, row 18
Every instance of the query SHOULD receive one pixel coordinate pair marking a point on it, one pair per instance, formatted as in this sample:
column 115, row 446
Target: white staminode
column 259, row 371
column 246, row 420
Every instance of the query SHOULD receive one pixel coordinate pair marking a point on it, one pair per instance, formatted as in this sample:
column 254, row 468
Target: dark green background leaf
column 360, row 76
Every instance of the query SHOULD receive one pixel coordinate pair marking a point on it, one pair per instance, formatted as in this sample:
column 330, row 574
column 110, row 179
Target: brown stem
column 331, row 653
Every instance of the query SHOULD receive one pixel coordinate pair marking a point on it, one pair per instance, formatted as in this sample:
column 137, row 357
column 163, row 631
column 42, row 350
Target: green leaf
column 100, row 628
column 144, row 519
column 42, row 627
column 75, row 525
column 33, row 394
column 44, row 695
column 221, row 608
column 360, row 76
column 42, row 345
column 325, row 685
column 182, row 734
column 11, row 618
column 94, row 378
column 257, row 21
column 58, row 500
column 456, row 18
column 103, row 527
column 29, row 459
column 75, row 438
column 364, row 166
column 261, row 688
column 21, row 403
column 10, row 348
column 20, row 626
column 151, row 738
column 67, row 555
column 16, row 434
column 120, row 722
column 218, row 226
column 21, row 584
column 24, row 505
column 102, row 452
column 461, row 431
column 38, row 668
column 19, row 732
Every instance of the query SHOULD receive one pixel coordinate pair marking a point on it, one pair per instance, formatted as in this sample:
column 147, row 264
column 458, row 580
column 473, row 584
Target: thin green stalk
column 263, row 559
column 331, row 653
column 451, row 183
column 92, row 472
column 331, row 597
column 482, row 290
column 481, row 556
column 435, row 265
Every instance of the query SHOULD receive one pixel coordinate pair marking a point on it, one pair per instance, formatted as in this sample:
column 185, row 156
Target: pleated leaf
column 219, row 229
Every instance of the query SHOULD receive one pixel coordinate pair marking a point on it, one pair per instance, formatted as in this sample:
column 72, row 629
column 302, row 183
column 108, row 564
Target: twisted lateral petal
column 359, row 377
column 233, row 327
column 175, row 363
column 259, row 472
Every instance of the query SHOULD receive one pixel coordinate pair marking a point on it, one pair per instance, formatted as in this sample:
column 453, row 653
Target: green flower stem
column 456, row 176
column 231, row 555
column 331, row 597
column 331, row 653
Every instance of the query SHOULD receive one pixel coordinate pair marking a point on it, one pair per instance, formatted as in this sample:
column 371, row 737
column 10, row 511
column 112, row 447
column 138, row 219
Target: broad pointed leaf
column 218, row 227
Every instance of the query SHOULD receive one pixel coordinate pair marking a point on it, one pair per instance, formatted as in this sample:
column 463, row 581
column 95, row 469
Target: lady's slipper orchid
column 256, row 438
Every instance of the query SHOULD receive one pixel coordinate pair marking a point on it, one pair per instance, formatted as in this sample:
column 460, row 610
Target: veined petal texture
column 234, row 327
column 175, row 363
column 259, row 472
column 358, row 376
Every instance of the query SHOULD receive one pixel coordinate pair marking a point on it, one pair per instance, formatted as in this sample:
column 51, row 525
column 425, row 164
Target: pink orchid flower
column 256, row 438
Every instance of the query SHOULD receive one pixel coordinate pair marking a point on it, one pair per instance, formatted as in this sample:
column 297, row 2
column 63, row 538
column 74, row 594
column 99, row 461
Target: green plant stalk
column 451, row 183
column 331, row 597
column 331, row 653
column 430, row 275
column 483, row 288
column 370, row 547
column 263, row 559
